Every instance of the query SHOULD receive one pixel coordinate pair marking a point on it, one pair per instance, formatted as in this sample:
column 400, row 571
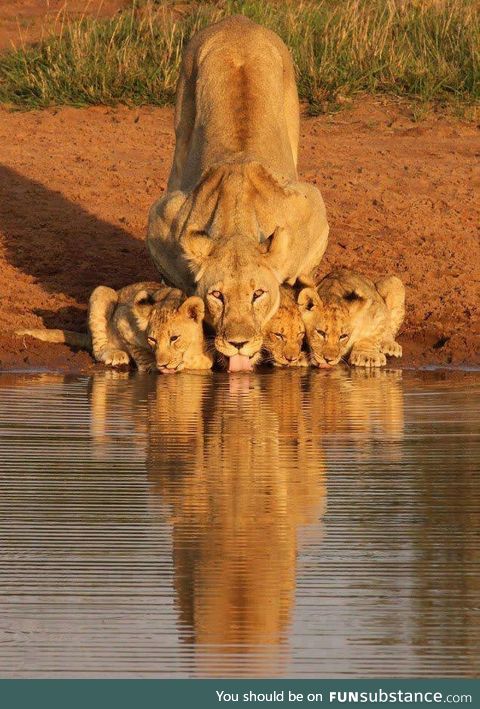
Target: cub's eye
column 174, row 338
column 343, row 337
column 259, row 292
column 151, row 341
column 321, row 333
column 216, row 294
column 279, row 335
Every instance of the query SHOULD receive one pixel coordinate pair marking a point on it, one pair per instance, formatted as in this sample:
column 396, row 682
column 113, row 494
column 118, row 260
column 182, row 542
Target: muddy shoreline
column 76, row 186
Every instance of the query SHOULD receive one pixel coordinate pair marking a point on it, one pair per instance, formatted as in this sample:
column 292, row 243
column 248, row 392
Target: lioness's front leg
column 105, row 347
column 366, row 353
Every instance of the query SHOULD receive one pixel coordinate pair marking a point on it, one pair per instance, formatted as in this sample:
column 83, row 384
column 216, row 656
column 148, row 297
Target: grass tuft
column 426, row 50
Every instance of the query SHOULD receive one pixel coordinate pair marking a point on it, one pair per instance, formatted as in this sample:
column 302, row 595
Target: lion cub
column 155, row 326
column 348, row 313
column 283, row 335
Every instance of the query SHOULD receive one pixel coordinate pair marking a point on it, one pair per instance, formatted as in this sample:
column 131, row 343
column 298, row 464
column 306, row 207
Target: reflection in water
column 179, row 526
column 240, row 474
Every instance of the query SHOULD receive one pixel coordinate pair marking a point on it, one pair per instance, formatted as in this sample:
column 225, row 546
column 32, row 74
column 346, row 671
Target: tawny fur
column 235, row 219
column 137, row 323
column 284, row 333
column 348, row 314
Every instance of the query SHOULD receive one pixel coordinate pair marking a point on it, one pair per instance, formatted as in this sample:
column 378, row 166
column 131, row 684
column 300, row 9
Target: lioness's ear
column 308, row 299
column 193, row 308
column 144, row 302
column 197, row 248
column 275, row 247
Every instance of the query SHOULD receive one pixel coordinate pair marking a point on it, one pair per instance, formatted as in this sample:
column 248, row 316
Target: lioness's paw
column 368, row 359
column 114, row 358
column 391, row 348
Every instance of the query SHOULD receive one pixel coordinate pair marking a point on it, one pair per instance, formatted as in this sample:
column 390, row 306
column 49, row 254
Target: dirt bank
column 76, row 186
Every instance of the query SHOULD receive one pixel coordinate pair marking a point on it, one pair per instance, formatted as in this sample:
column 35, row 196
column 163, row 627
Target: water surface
column 291, row 524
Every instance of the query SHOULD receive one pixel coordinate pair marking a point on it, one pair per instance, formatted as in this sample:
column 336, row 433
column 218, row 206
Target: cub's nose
column 237, row 344
column 291, row 359
column 329, row 360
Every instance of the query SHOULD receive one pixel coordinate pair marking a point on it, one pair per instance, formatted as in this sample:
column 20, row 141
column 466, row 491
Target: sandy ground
column 76, row 186
column 25, row 21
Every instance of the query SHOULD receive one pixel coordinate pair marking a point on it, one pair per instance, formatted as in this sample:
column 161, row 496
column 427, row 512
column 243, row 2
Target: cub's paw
column 302, row 361
column 368, row 359
column 391, row 348
column 114, row 358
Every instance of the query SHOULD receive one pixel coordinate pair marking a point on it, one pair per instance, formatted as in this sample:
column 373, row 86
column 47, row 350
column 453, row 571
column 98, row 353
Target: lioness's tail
column 68, row 337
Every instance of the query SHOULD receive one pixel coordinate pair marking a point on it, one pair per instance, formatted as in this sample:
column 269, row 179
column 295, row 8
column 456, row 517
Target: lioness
column 152, row 324
column 235, row 221
column 284, row 333
column 350, row 313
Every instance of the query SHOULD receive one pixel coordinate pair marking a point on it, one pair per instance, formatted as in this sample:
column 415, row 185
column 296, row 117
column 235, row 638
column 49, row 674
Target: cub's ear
column 352, row 296
column 144, row 302
column 304, row 279
column 193, row 308
column 355, row 300
column 308, row 299
column 275, row 247
column 197, row 247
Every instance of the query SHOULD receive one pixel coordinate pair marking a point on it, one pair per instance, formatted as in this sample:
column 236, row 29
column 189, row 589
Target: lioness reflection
column 246, row 477
column 239, row 467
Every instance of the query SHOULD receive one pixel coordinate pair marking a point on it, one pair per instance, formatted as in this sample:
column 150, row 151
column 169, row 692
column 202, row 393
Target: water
column 289, row 524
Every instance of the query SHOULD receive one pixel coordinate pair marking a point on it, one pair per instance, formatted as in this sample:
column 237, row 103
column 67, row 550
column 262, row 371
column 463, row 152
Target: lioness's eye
column 174, row 338
column 258, row 293
column 216, row 294
column 151, row 341
column 343, row 337
column 321, row 333
column 279, row 335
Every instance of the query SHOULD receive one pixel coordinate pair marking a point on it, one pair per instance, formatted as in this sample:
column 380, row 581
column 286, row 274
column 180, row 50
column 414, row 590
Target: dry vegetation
column 426, row 50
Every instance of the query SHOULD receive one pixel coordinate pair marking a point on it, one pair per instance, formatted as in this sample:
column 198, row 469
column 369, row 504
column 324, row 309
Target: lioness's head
column 239, row 281
column 284, row 333
column 175, row 323
column 330, row 327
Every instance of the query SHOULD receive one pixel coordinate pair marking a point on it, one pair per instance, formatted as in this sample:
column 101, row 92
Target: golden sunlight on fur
column 235, row 221
column 155, row 326
column 284, row 333
column 350, row 316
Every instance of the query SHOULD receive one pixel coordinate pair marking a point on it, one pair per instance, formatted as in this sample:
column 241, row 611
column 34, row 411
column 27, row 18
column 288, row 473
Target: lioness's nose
column 237, row 344
column 291, row 359
column 329, row 359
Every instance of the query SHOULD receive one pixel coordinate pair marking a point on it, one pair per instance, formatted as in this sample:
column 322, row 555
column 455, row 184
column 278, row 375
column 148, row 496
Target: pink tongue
column 239, row 363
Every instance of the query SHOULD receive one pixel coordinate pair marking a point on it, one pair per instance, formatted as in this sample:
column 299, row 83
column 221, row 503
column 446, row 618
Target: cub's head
column 174, row 324
column 330, row 326
column 284, row 333
column 239, row 282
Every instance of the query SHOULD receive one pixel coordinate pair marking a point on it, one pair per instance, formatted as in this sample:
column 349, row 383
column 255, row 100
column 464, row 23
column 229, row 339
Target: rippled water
column 282, row 524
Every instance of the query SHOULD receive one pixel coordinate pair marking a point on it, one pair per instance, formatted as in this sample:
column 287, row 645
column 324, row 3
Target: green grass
column 425, row 50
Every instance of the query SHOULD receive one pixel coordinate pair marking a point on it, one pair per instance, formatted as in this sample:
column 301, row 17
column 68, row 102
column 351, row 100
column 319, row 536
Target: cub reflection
column 232, row 460
column 365, row 406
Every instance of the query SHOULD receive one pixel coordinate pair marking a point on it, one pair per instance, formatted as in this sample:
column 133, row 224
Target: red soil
column 76, row 186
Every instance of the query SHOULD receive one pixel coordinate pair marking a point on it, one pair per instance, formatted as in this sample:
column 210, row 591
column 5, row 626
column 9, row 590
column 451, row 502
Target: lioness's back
column 246, row 73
